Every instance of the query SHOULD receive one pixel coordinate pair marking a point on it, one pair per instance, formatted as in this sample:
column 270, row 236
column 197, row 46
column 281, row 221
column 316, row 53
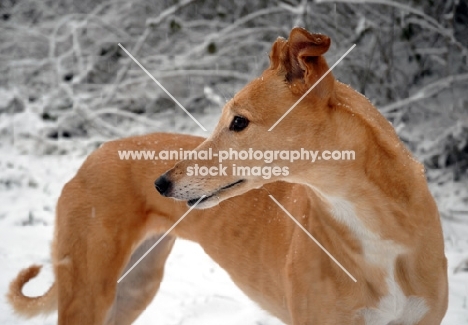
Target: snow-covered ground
column 195, row 291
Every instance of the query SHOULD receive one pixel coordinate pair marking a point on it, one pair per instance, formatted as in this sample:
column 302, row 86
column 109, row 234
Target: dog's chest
column 394, row 307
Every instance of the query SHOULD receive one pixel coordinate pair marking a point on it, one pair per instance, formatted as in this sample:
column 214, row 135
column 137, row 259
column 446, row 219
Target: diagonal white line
column 160, row 239
column 159, row 84
column 313, row 238
column 313, row 86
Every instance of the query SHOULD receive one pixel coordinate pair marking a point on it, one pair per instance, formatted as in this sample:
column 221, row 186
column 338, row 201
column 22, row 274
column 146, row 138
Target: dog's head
column 245, row 126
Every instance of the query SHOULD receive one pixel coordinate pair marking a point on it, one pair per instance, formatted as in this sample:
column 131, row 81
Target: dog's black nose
column 163, row 185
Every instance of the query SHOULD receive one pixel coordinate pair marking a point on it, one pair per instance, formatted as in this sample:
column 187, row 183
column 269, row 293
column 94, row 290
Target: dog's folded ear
column 304, row 49
column 300, row 59
column 303, row 43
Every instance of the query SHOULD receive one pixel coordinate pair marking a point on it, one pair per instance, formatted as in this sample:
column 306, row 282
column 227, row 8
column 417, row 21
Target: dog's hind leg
column 94, row 242
column 87, row 271
column 137, row 289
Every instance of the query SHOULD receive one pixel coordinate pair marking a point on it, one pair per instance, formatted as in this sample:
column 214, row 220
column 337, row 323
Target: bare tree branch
column 426, row 92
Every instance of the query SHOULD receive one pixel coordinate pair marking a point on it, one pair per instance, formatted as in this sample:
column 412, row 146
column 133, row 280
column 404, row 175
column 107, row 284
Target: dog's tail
column 31, row 306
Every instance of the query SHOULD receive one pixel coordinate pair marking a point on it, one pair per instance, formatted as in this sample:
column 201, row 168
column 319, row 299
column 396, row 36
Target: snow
column 195, row 290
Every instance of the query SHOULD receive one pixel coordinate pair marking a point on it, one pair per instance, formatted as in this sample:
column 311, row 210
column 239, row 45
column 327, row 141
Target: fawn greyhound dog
column 379, row 218
column 110, row 214
column 374, row 214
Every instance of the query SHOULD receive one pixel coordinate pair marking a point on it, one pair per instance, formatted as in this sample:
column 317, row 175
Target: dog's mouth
column 192, row 202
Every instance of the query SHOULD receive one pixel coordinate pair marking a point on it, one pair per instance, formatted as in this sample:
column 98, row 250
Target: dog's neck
column 385, row 184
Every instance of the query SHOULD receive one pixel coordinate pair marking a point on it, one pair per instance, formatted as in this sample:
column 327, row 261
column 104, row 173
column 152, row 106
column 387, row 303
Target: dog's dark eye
column 238, row 123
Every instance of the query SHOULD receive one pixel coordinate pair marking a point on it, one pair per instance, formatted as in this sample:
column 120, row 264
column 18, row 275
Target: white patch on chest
column 395, row 307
